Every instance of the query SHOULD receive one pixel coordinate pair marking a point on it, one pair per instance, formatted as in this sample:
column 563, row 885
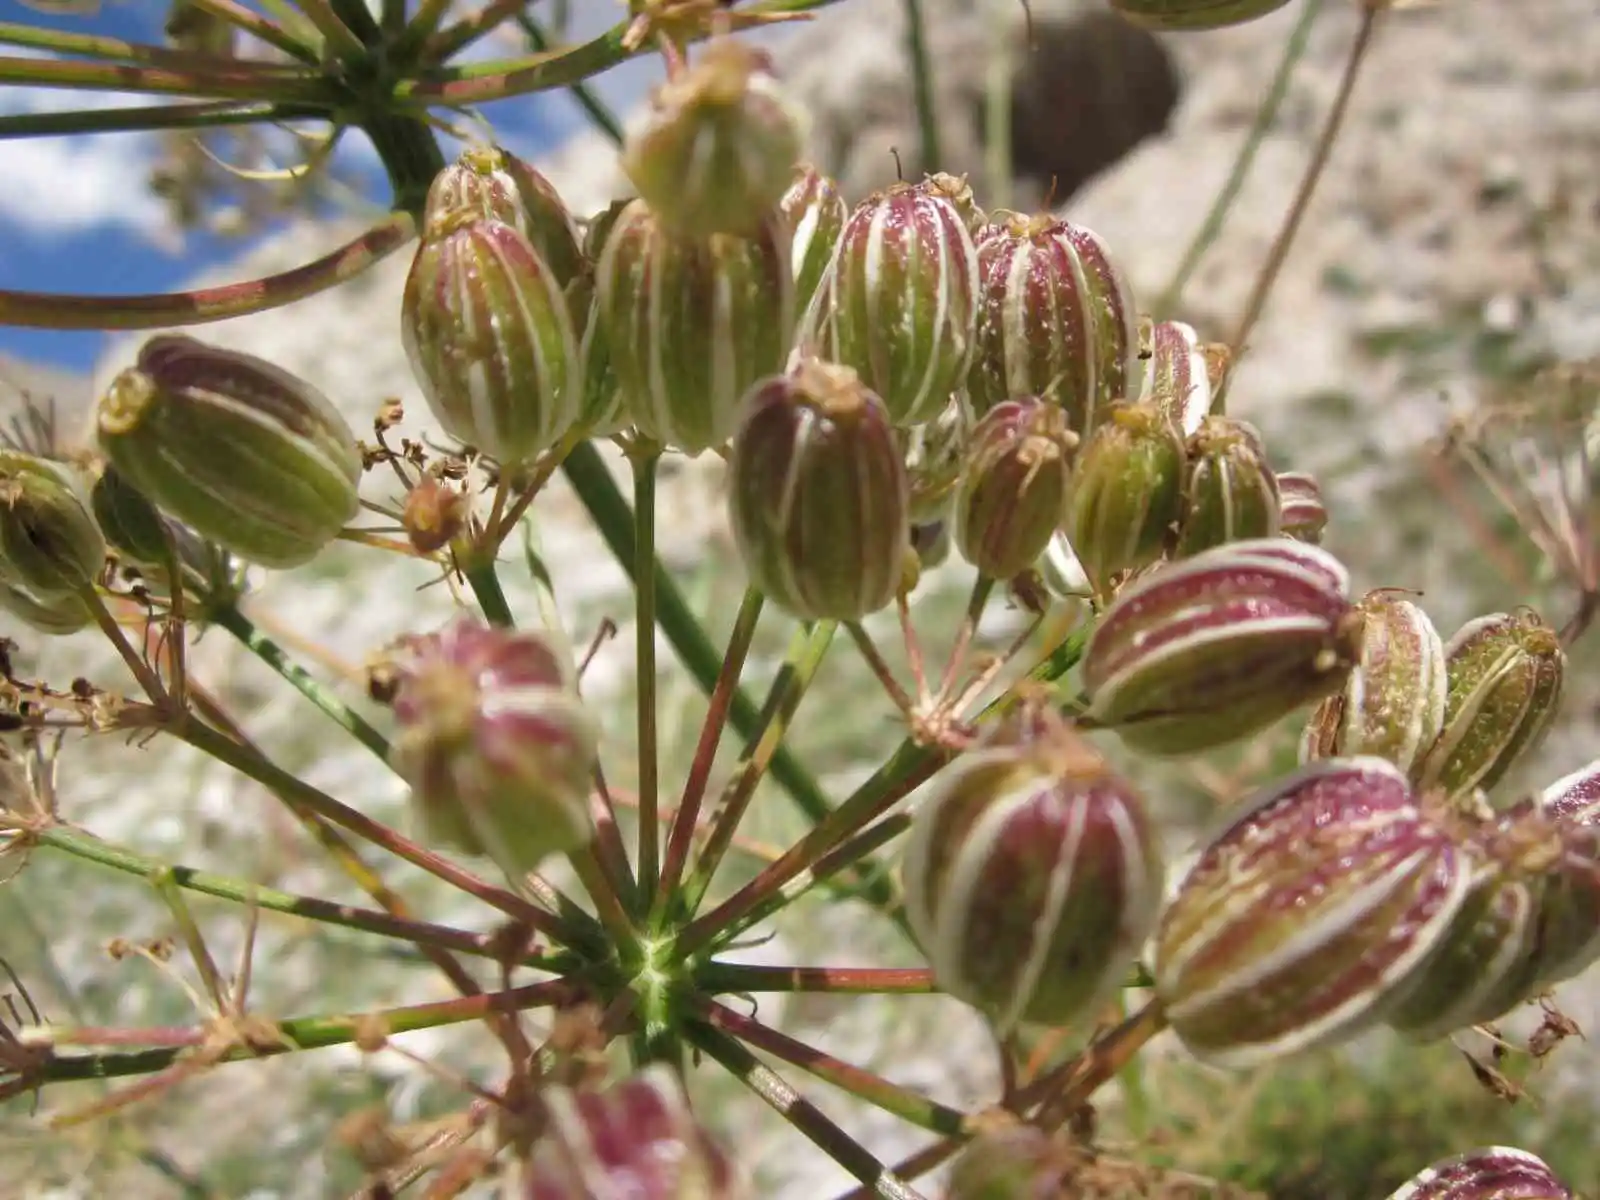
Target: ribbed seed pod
column 1013, row 489
column 56, row 615
column 1307, row 915
column 1302, row 514
column 603, row 410
column 1568, row 940
column 1505, row 676
column 50, row 545
column 495, row 743
column 1201, row 653
column 1177, row 377
column 485, row 325
column 898, row 304
column 1490, row 1173
column 934, row 453
column 243, row 453
column 1127, row 493
column 1230, row 493
column 1576, row 797
column 637, row 1140
column 817, row 494
column 717, row 145
column 1055, row 319
column 1392, row 704
column 1032, row 878
column 815, row 211
column 692, row 323
column 497, row 185
column 133, row 527
column 1181, row 15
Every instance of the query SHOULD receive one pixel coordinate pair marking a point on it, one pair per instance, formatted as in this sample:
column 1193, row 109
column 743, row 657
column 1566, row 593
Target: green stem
column 299, row 1033
column 257, row 26
column 737, row 979
column 801, row 1113
column 1266, row 114
column 229, row 617
column 922, row 85
column 339, row 37
column 587, row 98
column 909, row 1106
column 44, row 310
column 204, row 114
column 645, row 463
column 484, row 581
column 450, row 41
column 112, row 49
column 237, row 81
column 997, row 77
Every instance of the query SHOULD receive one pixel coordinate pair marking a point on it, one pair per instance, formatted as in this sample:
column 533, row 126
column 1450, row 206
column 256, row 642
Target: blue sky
column 77, row 216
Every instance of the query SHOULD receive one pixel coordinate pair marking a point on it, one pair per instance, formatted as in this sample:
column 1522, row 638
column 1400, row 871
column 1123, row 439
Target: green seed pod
column 56, row 615
column 1491, row 1173
column 603, row 410
column 1178, row 375
column 50, row 545
column 490, row 338
column 815, row 211
column 497, row 185
column 1229, row 494
column 717, row 145
column 1127, row 492
column 245, row 454
column 1032, row 878
column 898, row 304
column 1505, row 675
column 1307, row 915
column 692, row 323
column 495, row 743
column 1020, row 1162
column 1392, row 704
column 1055, row 319
column 1198, row 654
column 934, row 452
column 817, row 494
column 1013, row 489
column 1301, row 513
column 133, row 527
column 636, row 1140
column 1183, row 15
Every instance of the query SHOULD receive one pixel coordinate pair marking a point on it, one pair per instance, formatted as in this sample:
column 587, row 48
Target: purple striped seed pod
column 1032, row 878
column 1307, row 915
column 495, row 743
column 497, row 185
column 1055, row 319
column 815, row 211
column 1013, row 490
column 817, row 494
column 1569, row 917
column 1200, row 653
column 1575, row 798
column 716, row 147
column 692, row 323
column 898, row 302
column 1505, row 675
column 1392, row 703
column 636, row 1140
column 1302, row 514
column 487, row 329
column 1229, row 491
column 245, row 454
column 1127, row 492
column 1177, row 375
column 1491, row 1173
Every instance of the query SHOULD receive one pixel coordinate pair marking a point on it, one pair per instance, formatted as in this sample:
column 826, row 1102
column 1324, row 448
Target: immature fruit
column 1505, row 675
column 1126, row 494
column 1177, row 377
column 1013, row 489
column 717, row 145
column 55, row 615
column 1575, row 798
column 1032, row 878
column 934, row 453
column 490, row 339
column 1392, row 703
column 245, row 454
column 1229, row 491
column 636, row 1140
column 1201, row 653
column 495, row 743
column 817, row 494
column 1020, row 1162
column 692, row 323
column 898, row 304
column 50, row 546
column 1055, row 320
column 1307, row 915
column 815, row 211
column 496, row 184
column 1492, row 1173
column 1302, row 514
column 132, row 526
column 1179, row 15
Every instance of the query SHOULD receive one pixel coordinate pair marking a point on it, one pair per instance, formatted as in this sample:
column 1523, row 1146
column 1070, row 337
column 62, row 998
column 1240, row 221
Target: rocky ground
column 1455, row 243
